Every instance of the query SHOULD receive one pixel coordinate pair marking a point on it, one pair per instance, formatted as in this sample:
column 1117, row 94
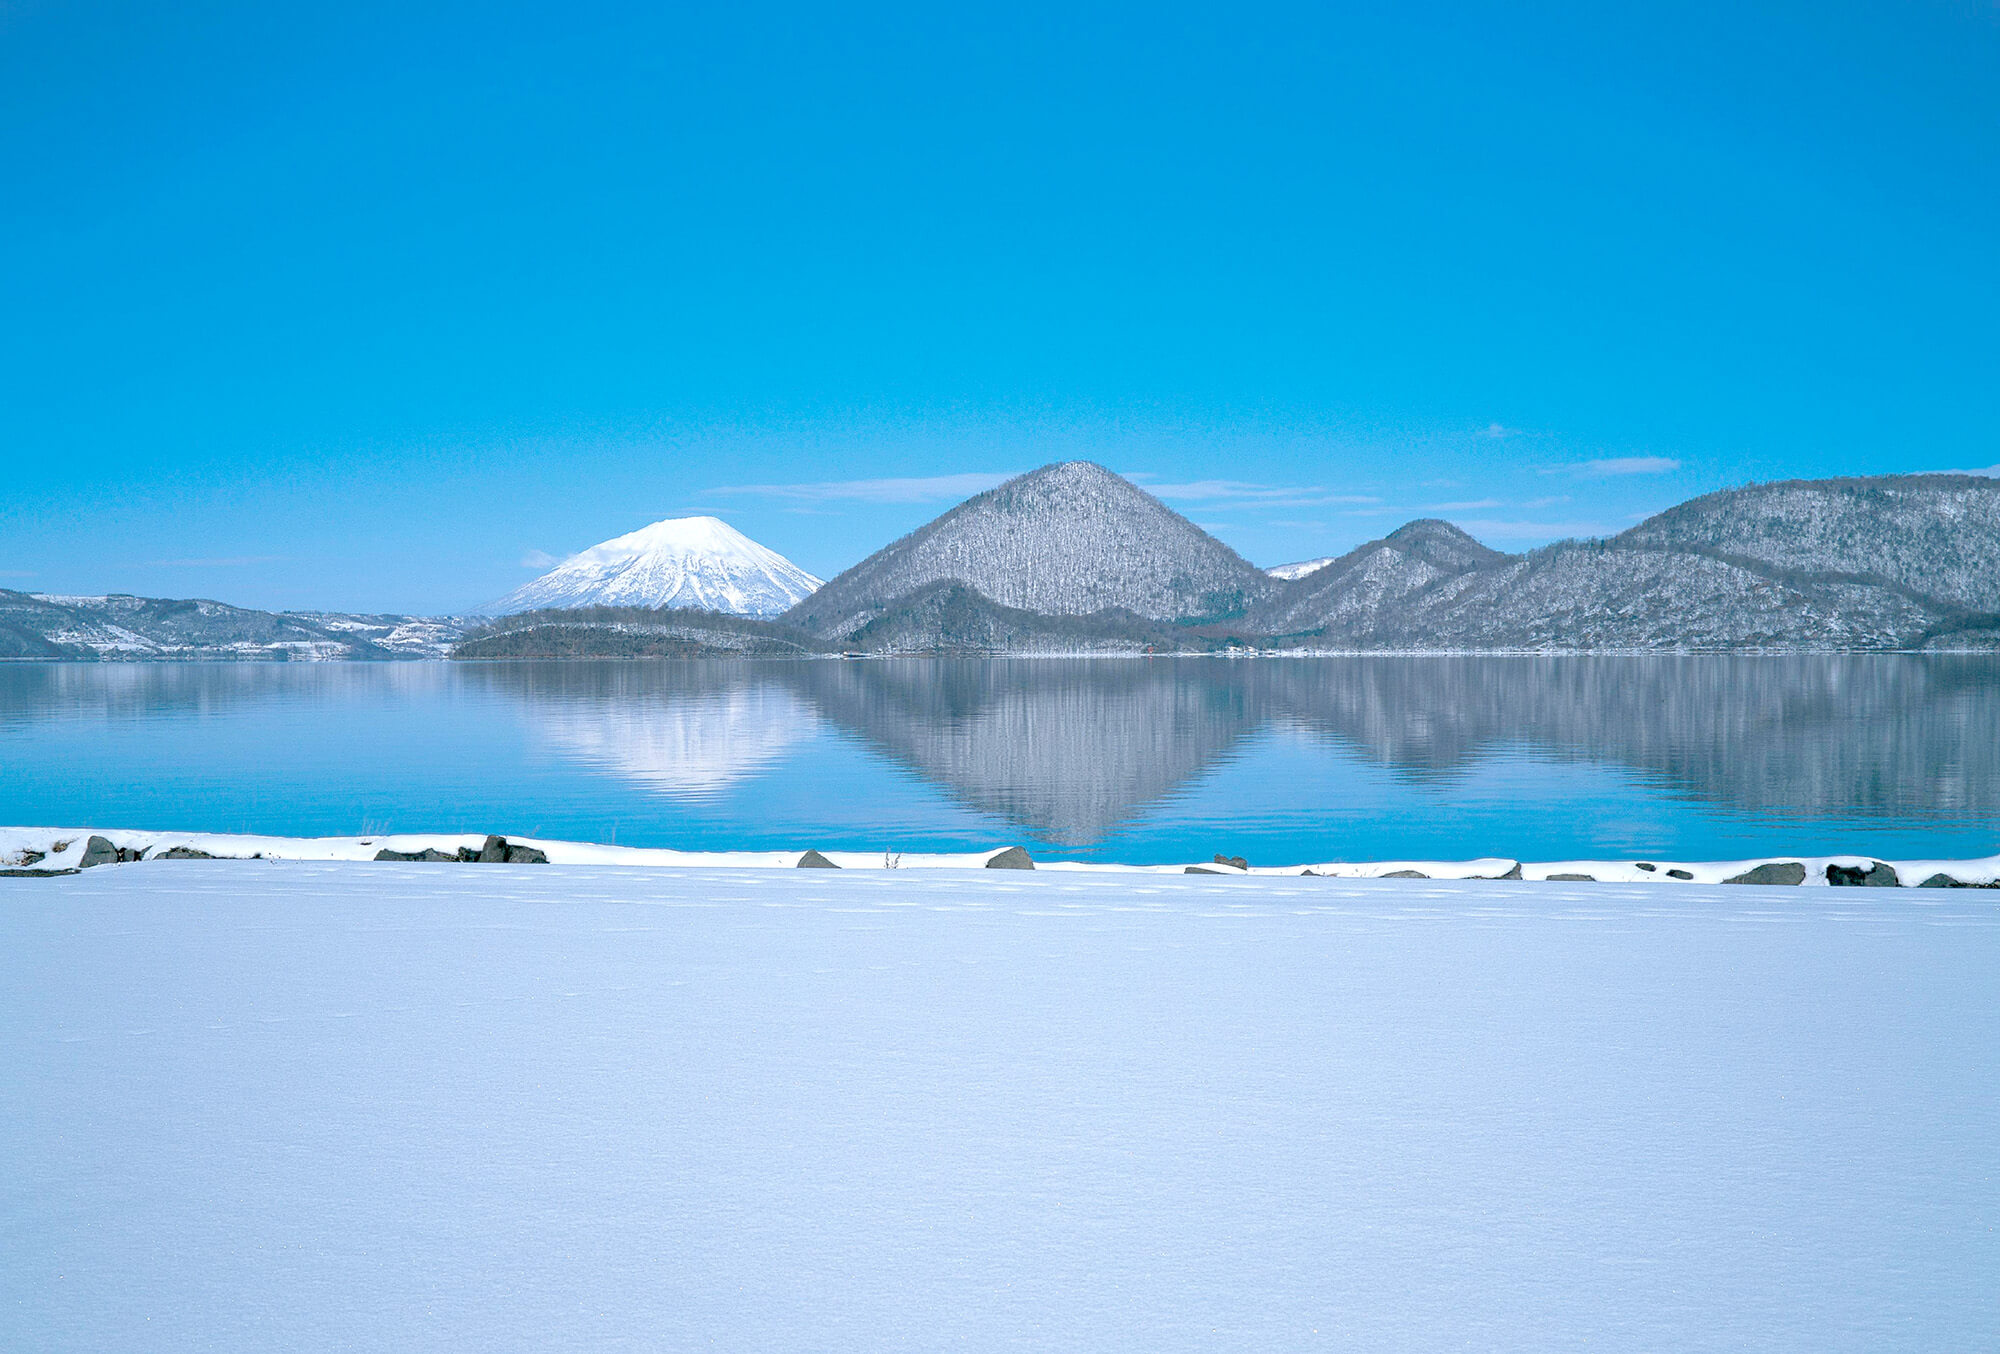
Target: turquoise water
column 1280, row 761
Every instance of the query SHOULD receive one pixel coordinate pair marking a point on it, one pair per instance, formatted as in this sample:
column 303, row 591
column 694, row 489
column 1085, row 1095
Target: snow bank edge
column 46, row 851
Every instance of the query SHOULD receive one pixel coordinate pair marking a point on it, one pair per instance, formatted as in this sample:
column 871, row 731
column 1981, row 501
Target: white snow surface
column 257, row 1105
column 1289, row 572
column 699, row 562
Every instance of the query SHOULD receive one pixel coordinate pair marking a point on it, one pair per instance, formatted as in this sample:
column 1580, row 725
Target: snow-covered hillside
column 1066, row 540
column 1892, row 562
column 682, row 562
column 120, row 627
column 1934, row 537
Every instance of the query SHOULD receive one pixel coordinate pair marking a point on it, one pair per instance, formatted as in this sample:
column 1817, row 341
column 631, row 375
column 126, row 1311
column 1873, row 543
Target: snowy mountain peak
column 1289, row 572
column 680, row 562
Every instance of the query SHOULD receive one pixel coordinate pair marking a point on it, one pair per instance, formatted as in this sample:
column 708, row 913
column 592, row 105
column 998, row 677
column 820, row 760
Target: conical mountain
column 700, row 562
column 1371, row 587
column 1066, row 540
column 1441, row 545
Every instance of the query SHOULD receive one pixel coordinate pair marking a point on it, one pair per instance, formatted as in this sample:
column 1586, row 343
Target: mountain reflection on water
column 1071, row 749
column 688, row 730
column 1282, row 760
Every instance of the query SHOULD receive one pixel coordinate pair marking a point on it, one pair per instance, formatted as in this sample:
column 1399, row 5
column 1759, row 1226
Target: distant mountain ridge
column 1070, row 539
column 1894, row 562
column 1935, row 536
column 1362, row 593
column 633, row 632
column 120, row 626
column 1073, row 559
column 682, row 563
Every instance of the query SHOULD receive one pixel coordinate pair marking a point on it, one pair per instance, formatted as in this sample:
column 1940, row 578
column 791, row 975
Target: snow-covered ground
column 304, row 1106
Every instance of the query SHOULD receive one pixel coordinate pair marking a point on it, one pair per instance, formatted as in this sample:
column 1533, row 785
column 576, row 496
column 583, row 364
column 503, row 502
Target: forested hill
column 1071, row 539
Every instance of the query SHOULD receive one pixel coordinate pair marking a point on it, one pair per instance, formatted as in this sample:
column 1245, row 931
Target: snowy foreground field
column 256, row 1105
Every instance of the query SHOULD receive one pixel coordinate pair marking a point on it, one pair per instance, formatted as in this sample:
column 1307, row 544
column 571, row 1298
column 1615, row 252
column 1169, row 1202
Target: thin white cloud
column 1472, row 506
column 920, row 489
column 1210, row 491
column 17, row 573
column 1990, row 472
column 1498, row 431
column 227, row 562
column 538, row 559
column 1532, row 531
column 1241, row 493
column 1548, row 502
column 1626, row 465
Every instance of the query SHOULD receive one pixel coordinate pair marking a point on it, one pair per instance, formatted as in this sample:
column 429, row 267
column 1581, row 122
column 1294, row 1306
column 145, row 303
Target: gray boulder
column 1877, row 876
column 1772, row 872
column 813, row 860
column 1013, row 858
column 98, row 851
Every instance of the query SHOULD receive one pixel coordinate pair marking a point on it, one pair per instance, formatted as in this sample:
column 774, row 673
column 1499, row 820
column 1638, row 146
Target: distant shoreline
column 990, row 654
column 50, row 852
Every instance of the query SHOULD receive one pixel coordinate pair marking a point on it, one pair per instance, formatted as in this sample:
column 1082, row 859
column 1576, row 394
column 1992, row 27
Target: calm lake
column 1280, row 760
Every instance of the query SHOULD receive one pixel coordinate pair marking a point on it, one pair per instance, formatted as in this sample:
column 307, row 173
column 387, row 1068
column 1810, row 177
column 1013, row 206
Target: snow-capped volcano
column 681, row 562
column 1293, row 572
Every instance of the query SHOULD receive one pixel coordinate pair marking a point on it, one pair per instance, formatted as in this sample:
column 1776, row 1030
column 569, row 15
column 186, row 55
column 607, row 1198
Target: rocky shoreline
column 50, row 852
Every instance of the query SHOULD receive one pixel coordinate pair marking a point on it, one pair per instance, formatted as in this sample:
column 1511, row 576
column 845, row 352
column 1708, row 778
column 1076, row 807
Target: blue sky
column 373, row 306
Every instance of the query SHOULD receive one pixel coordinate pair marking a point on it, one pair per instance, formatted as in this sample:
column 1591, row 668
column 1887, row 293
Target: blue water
column 1280, row 761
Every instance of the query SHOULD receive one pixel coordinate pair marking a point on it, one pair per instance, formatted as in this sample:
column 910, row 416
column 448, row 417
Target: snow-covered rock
column 691, row 562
